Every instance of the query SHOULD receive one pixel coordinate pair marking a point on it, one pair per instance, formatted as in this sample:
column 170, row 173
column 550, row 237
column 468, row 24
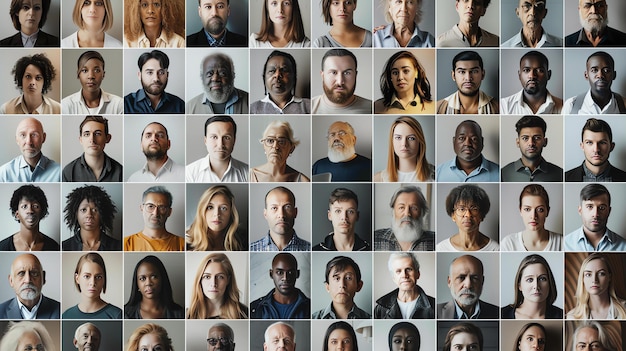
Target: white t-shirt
column 513, row 242
column 446, row 245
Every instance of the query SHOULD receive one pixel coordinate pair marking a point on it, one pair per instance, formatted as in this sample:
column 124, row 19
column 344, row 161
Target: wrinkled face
column 534, row 283
column 221, row 338
column 28, row 213
column 280, row 148
column 218, row 78
column 284, row 273
column 534, row 76
column 404, row 340
column 468, row 142
column 30, row 341
column 88, row 338
column 343, row 215
column 406, row 208
column 149, row 281
column 596, row 278
column 533, row 339
column 93, row 138
column 214, row 281
column 342, row 11
column 151, row 342
column 214, row 15
column 30, row 137
column 534, row 212
column 470, row 11
column 588, row 339
column 88, row 216
column 403, row 12
column 339, row 79
column 466, row 281
column 404, row 274
column 154, row 142
column 405, row 143
column 280, row 11
column 340, row 137
column 32, row 81
column 467, row 216
column 29, row 16
column 220, row 140
column 27, row 278
column 150, row 12
column 91, row 75
column 403, row 76
column 280, row 212
column 465, row 341
column 600, row 74
column 153, row 77
column 595, row 213
column 531, row 13
column 342, row 286
column 340, row 339
column 280, row 76
column 597, row 148
column 531, row 142
column 468, row 76
column 156, row 210
column 93, row 13
column 593, row 15
column 218, row 213
column 281, row 338
column 90, row 279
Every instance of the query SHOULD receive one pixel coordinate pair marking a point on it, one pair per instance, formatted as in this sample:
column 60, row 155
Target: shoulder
column 574, row 174
column 196, row 39
column 69, row 41
column 13, row 40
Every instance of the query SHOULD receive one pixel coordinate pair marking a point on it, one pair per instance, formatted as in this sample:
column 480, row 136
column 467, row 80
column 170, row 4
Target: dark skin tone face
column 284, row 273
column 600, row 74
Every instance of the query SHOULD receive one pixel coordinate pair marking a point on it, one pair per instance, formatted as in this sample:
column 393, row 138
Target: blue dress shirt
column 138, row 102
column 18, row 170
column 487, row 172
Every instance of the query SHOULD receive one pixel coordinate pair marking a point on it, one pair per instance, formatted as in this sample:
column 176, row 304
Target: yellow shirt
column 141, row 242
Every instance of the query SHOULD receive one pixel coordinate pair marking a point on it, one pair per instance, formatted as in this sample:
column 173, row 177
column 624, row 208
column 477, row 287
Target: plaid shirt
column 385, row 240
column 215, row 43
column 266, row 244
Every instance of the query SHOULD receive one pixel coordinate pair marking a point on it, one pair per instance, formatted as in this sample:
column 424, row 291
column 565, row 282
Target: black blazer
column 43, row 40
column 232, row 40
column 447, row 310
column 577, row 174
column 48, row 309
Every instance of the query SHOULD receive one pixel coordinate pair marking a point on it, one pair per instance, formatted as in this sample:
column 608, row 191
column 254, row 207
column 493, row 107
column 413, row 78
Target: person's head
column 594, row 208
column 533, row 72
column 470, row 11
column 29, row 205
column 90, row 275
column 534, row 282
column 596, row 142
column 92, row 14
column 214, row 15
column 150, row 337
column 26, row 335
column 408, row 209
column 27, row 278
column 338, row 11
column 407, row 142
column 531, row 137
column 90, row 69
column 464, row 336
column 404, row 336
column 341, row 142
column 280, row 74
column 467, row 205
column 279, row 336
column 468, row 141
column 467, row 71
column 339, row 71
column 340, row 336
column 216, row 214
column 593, row 16
column 342, row 280
column 221, row 337
column 151, row 282
column 278, row 142
column 534, row 206
column 156, row 206
column 343, row 211
column 89, row 207
column 87, row 337
column 34, row 74
column 217, row 72
column 531, row 13
column 158, row 15
column 591, row 335
column 29, row 136
column 153, row 71
column 404, row 74
column 466, row 279
column 155, row 141
column 284, row 273
column 29, row 15
column 220, row 134
column 532, row 337
column 600, row 72
column 283, row 14
column 280, row 210
column 94, row 135
column 402, row 13
column 595, row 278
column 404, row 269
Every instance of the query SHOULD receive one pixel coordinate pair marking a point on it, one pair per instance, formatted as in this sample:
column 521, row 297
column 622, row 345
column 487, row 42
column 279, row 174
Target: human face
column 149, row 281
column 29, row 16
column 588, row 339
column 405, row 143
column 88, row 216
column 220, row 140
column 340, row 339
column 534, row 76
column 280, row 11
column 340, row 137
column 93, row 139
column 162, row 210
column 30, row 341
column 214, row 281
column 280, row 212
column 534, row 212
column 468, row 142
column 90, row 279
column 468, row 76
column 534, row 283
column 154, row 142
column 214, row 15
column 93, row 13
column 217, row 77
column 153, row 77
column 593, row 15
column 470, row 11
column 279, row 76
column 278, row 154
column 466, row 281
column 533, row 339
column 531, row 13
column 339, row 79
column 406, row 208
column 30, row 137
column 596, row 277
column 597, row 148
column 28, row 213
column 531, row 142
column 218, row 333
column 403, row 76
column 27, row 278
column 403, row 12
column 600, row 75
column 91, row 75
column 342, row 11
column 284, row 273
column 151, row 342
column 281, row 338
column 595, row 213
column 465, row 342
column 218, row 213
column 343, row 215
column 469, row 221
column 150, row 13
column 342, row 286
column 32, row 81
column 404, row 274
column 88, row 338
column 404, row 340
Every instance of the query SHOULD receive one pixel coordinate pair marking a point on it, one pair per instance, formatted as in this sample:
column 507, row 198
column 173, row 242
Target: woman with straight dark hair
column 281, row 26
column 340, row 336
column 28, row 17
column 532, row 337
column 339, row 14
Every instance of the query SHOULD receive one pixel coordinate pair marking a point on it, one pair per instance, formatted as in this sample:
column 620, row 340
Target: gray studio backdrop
column 428, row 15
column 175, row 330
column 239, row 260
column 176, row 78
column 362, row 125
column 196, row 147
column 365, row 74
column 51, row 26
column 240, row 191
column 448, row 17
column 68, row 27
column 576, row 65
column 197, row 333
column 261, row 283
column 616, row 11
column 256, row 15
column 111, row 334
column 511, row 24
column 303, row 67
column 113, row 77
column 553, row 152
column 573, row 221
column 383, row 213
column 509, row 68
column 426, row 57
column 50, row 262
column 193, row 75
column 574, row 155
column 362, row 17
column 72, row 148
column 237, row 21
column 384, row 280
column 491, row 265
column 491, row 61
column 10, row 57
column 258, row 327
column 363, row 340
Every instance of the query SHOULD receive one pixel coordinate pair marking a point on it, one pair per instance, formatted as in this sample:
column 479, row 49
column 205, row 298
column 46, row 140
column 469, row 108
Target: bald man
column 31, row 165
column 280, row 336
column 27, row 278
column 87, row 337
column 221, row 337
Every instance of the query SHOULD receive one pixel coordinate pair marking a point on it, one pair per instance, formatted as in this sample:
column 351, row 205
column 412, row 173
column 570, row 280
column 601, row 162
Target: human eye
column 220, row 277
column 411, row 138
column 347, row 73
column 602, row 208
column 349, row 277
column 156, row 4
column 287, row 207
column 397, row 341
column 86, row 3
column 394, row 72
column 221, row 6
column 274, row 208
column 525, row 138
column 99, row 3
column 97, row 133
column 351, row 212
column 25, row 7
column 472, row 347
column 228, row 137
column 142, row 278
column 38, row 78
column 594, row 70
column 333, row 342
column 21, row 273
column 587, row 274
column 543, row 278
column 144, row 5
column 602, row 274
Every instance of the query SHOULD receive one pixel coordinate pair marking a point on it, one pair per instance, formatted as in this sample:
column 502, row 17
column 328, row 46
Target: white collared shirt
column 32, row 314
column 515, row 105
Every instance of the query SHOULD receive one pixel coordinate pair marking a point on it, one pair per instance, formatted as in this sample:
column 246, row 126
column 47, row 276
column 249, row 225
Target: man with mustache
column 467, row 32
column 27, row 278
column 159, row 167
column 468, row 74
column 466, row 281
column 87, row 337
column 594, row 235
column 531, row 13
column 343, row 212
column 339, row 72
column 153, row 98
column 469, row 165
column 409, row 300
column 408, row 209
column 534, row 98
column 217, row 72
column 531, row 167
column 343, row 163
column 214, row 16
column 599, row 99
column 597, row 144
column 595, row 30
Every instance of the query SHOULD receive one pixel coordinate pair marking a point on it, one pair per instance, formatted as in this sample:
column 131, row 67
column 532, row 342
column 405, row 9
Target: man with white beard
column 217, row 72
column 595, row 30
column 408, row 209
column 343, row 163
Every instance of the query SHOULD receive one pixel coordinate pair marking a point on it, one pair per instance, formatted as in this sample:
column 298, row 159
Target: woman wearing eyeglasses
column 278, row 143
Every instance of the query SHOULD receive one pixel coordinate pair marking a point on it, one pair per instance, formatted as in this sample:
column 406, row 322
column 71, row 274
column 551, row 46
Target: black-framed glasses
column 223, row 341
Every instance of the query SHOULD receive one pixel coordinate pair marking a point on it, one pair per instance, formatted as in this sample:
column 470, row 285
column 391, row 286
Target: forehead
column 218, row 332
column 465, row 265
column 402, row 262
column 467, row 64
column 591, row 135
column 285, row 262
column 587, row 334
column 32, row 69
column 339, row 62
column 278, row 195
column 149, row 339
column 151, row 64
column 88, row 329
column 90, row 266
column 596, row 264
column 346, row 269
column 337, row 126
column 26, row 261
column 531, row 131
column 213, row 266
column 92, row 126
column 154, row 128
column 528, row 199
column 403, row 62
column 535, row 268
column 464, row 338
column 280, row 330
column 532, row 61
column 93, row 62
column 344, row 204
column 203, row 2
column 30, row 124
column 146, row 266
column 534, row 331
column 406, row 198
column 277, row 131
column 216, row 61
column 468, row 128
column 156, row 198
column 598, row 61
column 225, row 127
column 279, row 60
column 531, row 1
column 602, row 199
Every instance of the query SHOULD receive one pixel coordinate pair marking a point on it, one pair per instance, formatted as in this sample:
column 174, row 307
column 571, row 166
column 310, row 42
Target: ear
column 327, row 287
column 452, row 75
column 359, row 286
column 449, row 282
column 612, row 146
column 76, row 278
column 43, row 277
column 549, row 74
column 139, row 75
column 517, row 12
column 517, row 141
column 581, row 146
column 265, row 213
column 580, row 210
column 43, row 140
column 108, row 138
column 545, row 142
column 586, row 75
column 329, row 216
column 271, row 275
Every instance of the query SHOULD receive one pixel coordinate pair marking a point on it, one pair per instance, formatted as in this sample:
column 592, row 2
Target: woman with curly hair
column 215, row 293
column 93, row 18
column 148, row 336
column 216, row 226
column 33, row 76
column 154, row 24
column 28, row 17
column 281, row 26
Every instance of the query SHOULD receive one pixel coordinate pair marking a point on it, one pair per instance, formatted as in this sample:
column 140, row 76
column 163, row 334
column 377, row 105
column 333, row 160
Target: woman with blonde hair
column 27, row 335
column 281, row 26
column 216, row 226
column 406, row 154
column 93, row 18
column 150, row 335
column 215, row 293
column 595, row 292
column 154, row 24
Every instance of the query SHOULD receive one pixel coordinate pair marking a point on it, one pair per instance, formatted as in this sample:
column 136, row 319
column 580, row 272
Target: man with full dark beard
column 408, row 209
column 343, row 163
column 214, row 16
column 153, row 76
column 27, row 278
column 595, row 29
column 155, row 142
column 217, row 72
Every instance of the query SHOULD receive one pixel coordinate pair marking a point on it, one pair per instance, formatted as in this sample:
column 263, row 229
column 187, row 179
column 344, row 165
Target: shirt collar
column 215, row 42
column 608, row 235
column 28, row 41
column 160, row 42
column 463, row 315
column 24, row 310
column 268, row 100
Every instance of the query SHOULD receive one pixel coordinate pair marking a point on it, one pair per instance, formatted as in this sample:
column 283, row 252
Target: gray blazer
column 448, row 311
column 48, row 309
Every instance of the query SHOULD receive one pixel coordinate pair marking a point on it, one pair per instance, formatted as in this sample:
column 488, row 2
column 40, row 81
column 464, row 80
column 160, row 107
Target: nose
column 405, row 5
column 471, row 4
column 27, row 277
column 406, row 212
column 151, row 8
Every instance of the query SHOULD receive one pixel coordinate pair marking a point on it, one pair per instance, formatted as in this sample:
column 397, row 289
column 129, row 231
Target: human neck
column 536, row 100
column 95, row 163
column 219, row 167
column 281, row 240
column 32, row 101
column 407, row 164
column 596, row 170
column 469, row 166
column 159, row 233
column 471, row 31
column 345, row 104
column 285, row 299
column 532, row 36
column 342, row 310
column 154, row 99
column 344, row 242
column 155, row 164
column 408, row 295
column 600, row 100
column 92, row 99
column 152, row 33
column 469, row 103
column 531, row 163
column 531, row 310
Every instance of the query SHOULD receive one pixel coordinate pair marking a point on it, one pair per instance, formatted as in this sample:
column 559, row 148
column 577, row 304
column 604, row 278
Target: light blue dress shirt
column 487, row 172
column 18, row 170
column 384, row 38
column 577, row 241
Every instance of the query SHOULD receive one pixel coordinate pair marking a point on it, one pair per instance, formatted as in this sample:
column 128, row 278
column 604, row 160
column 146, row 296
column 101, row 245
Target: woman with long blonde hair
column 154, row 24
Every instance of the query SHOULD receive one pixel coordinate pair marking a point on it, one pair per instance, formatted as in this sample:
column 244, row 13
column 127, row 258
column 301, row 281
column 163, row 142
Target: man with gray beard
column 217, row 72
column 343, row 163
column 27, row 278
column 408, row 209
column 466, row 284
column 159, row 167
column 214, row 16
column 595, row 30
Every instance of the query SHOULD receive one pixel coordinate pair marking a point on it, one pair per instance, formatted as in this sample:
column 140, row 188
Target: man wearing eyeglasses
column 221, row 337
column 343, row 163
column 595, row 30
column 152, row 98
column 156, row 208
column 159, row 167
column 531, row 13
